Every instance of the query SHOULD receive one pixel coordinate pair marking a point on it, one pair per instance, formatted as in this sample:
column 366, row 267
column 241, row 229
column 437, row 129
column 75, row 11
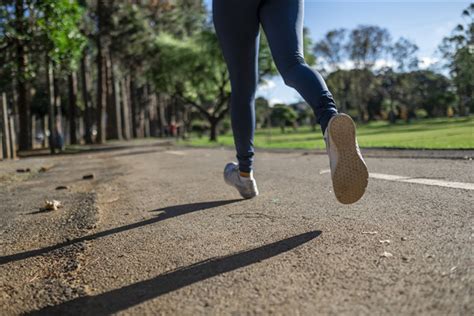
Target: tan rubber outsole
column 351, row 176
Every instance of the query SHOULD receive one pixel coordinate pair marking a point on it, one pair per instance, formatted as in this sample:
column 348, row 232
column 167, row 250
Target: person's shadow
column 134, row 294
column 166, row 213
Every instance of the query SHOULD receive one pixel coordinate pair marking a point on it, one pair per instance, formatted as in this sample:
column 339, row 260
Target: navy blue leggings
column 237, row 24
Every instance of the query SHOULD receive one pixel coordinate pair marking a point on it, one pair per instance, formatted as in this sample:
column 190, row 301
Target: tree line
column 397, row 87
column 88, row 71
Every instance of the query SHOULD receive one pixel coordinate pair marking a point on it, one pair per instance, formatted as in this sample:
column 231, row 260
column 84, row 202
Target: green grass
column 442, row 133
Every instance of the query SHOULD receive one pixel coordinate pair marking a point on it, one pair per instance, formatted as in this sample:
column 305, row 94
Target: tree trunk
column 4, row 119
column 146, row 111
column 101, row 82
column 153, row 114
column 72, row 78
column 185, row 123
column 213, row 122
column 125, row 108
column 87, row 99
column 142, row 102
column 33, row 131
column 58, row 126
column 138, row 110
column 134, row 107
column 161, row 115
column 22, row 89
column 114, row 122
column 44, row 126
column 51, row 116
column 117, row 98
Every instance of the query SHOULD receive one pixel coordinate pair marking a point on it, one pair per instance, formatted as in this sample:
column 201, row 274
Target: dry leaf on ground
column 52, row 205
column 386, row 254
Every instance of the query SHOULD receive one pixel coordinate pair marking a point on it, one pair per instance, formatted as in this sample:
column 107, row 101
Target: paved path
column 169, row 237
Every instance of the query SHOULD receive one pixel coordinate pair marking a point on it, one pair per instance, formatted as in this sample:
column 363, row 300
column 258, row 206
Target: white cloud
column 274, row 101
column 426, row 62
column 380, row 63
column 268, row 85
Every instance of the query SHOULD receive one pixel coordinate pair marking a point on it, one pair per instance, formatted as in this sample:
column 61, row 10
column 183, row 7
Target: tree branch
column 224, row 112
column 222, row 102
column 222, row 98
column 197, row 106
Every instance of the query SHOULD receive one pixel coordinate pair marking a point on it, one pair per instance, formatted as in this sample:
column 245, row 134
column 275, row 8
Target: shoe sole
column 350, row 178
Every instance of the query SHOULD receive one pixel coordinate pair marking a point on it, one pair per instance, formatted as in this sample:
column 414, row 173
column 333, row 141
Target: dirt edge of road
column 44, row 252
column 65, row 263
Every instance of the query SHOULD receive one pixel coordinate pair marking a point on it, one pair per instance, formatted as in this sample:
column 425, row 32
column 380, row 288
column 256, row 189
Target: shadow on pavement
column 168, row 212
column 134, row 294
column 95, row 148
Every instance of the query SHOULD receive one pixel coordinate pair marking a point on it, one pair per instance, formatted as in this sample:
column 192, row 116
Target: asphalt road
column 157, row 231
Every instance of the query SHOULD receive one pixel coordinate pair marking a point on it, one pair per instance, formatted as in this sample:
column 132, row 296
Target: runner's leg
column 237, row 27
column 282, row 21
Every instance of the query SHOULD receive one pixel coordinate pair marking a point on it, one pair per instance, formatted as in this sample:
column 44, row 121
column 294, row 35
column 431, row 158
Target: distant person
column 237, row 24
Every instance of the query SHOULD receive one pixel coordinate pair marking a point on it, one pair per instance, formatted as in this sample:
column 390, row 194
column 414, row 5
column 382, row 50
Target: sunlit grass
column 442, row 133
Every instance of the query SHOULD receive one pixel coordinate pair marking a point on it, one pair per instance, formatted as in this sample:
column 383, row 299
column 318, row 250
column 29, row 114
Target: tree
column 331, row 49
column 305, row 114
column 7, row 45
column 366, row 45
column 208, row 89
column 283, row 115
column 22, row 39
column 32, row 30
column 58, row 30
column 340, row 83
column 133, row 53
column 181, row 18
column 390, row 85
column 458, row 50
column 403, row 52
column 427, row 90
column 262, row 112
column 100, row 64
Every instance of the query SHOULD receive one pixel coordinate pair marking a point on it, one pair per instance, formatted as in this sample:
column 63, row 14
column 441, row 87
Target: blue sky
column 423, row 22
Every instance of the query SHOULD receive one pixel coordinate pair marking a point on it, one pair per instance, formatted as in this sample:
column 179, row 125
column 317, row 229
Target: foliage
column 367, row 43
column 331, row 49
column 58, row 24
column 403, row 52
column 283, row 115
column 262, row 112
column 458, row 50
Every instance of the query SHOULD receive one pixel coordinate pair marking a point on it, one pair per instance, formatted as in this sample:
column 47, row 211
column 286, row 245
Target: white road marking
column 174, row 152
column 425, row 181
column 387, row 177
column 439, row 183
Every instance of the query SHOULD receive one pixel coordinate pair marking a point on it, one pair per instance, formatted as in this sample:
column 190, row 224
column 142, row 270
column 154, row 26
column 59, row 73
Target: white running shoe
column 247, row 187
column 348, row 169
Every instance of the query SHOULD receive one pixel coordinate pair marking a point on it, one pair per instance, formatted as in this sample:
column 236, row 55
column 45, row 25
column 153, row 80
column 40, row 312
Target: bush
column 199, row 127
column 225, row 126
column 421, row 113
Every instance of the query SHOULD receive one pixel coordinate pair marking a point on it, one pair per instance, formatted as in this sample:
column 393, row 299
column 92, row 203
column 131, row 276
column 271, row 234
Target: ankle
column 244, row 174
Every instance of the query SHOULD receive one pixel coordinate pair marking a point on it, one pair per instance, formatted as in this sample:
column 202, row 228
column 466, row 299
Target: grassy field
column 452, row 133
